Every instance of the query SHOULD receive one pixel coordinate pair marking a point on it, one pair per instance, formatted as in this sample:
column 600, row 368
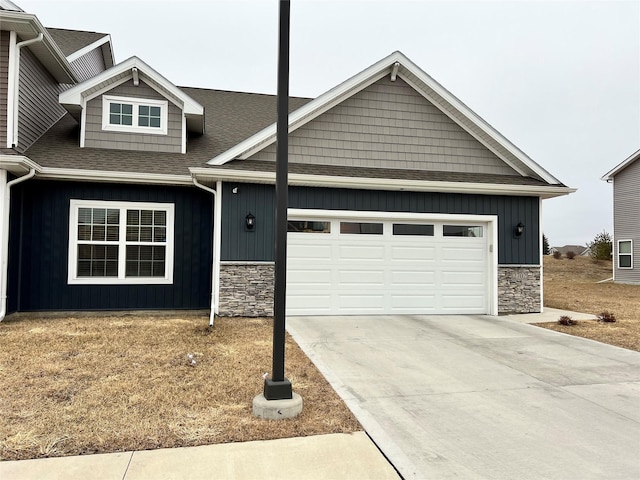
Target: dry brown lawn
column 104, row 384
column 572, row 285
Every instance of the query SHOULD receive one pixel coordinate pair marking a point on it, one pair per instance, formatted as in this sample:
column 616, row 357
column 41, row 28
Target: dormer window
column 134, row 115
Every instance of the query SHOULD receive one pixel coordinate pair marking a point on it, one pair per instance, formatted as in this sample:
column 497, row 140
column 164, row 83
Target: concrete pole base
column 277, row 409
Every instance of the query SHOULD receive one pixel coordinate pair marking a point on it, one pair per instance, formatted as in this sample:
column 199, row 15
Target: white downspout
column 5, row 199
column 15, row 91
column 215, row 267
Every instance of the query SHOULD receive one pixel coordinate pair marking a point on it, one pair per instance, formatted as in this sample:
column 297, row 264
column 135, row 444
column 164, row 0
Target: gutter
column 365, row 183
column 5, row 200
column 215, row 254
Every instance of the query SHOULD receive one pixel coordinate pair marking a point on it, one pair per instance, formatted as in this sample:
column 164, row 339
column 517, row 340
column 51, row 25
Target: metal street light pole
column 278, row 387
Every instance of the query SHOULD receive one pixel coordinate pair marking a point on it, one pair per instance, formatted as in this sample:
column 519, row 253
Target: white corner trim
column 12, row 81
column 83, row 51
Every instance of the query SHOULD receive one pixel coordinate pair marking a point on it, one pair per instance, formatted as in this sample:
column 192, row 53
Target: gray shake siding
column 389, row 125
column 89, row 65
column 626, row 219
column 95, row 137
column 4, row 72
column 38, row 105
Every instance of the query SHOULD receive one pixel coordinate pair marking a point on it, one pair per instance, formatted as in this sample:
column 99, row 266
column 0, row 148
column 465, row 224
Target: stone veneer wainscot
column 246, row 289
column 519, row 289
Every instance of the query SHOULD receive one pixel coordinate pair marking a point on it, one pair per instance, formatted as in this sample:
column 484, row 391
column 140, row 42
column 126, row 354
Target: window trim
column 107, row 100
column 630, row 254
column 121, row 279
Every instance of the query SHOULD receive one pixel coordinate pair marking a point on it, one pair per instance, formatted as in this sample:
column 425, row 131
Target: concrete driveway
column 477, row 397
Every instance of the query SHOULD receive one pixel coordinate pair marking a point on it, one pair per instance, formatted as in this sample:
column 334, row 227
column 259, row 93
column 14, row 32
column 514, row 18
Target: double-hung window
column 135, row 115
column 625, row 254
column 120, row 242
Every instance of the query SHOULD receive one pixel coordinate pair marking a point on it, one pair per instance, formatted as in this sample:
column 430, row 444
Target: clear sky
column 559, row 79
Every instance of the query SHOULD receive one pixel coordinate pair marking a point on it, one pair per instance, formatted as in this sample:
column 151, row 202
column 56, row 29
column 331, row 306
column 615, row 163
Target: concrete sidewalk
column 318, row 457
column 548, row 315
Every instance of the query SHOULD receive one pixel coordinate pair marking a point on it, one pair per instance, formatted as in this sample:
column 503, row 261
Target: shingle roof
column 230, row 118
column 70, row 41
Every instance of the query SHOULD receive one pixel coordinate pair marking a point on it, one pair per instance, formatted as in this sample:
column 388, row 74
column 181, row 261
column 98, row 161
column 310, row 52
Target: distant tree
column 545, row 245
column 600, row 248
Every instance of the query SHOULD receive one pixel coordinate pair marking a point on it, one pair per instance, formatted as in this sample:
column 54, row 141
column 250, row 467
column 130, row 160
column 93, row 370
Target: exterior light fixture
column 250, row 221
column 518, row 230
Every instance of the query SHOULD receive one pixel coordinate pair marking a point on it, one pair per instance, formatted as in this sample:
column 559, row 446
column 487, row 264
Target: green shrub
column 545, row 245
column 601, row 246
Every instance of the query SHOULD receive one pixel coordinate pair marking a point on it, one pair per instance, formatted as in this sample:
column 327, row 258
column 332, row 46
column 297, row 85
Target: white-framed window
column 136, row 115
column 120, row 242
column 625, row 254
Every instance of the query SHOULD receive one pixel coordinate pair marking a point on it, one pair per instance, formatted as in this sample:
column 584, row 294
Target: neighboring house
column 138, row 194
column 579, row 250
column 626, row 219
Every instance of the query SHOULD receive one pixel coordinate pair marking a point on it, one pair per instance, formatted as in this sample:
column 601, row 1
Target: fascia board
column 466, row 112
column 18, row 163
column 107, row 176
column 362, row 183
column 621, row 166
column 27, row 22
column 83, row 51
column 309, row 111
column 73, row 96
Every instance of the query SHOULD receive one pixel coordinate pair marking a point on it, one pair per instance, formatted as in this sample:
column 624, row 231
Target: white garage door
column 346, row 266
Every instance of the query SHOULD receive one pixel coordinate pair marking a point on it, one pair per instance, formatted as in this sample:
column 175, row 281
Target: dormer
column 132, row 107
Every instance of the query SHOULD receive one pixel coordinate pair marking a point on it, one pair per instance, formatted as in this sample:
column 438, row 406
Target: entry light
column 518, row 230
column 250, row 221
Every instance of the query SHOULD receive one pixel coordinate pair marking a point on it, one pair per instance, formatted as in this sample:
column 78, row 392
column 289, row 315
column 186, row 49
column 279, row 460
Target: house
column 625, row 178
column 123, row 191
column 579, row 250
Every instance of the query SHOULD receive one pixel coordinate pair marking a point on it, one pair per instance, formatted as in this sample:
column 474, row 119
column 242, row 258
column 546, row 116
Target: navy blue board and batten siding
column 238, row 244
column 39, row 244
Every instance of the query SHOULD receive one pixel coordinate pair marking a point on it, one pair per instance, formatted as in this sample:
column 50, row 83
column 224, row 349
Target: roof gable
column 397, row 65
column 391, row 126
column 76, row 97
column 76, row 43
column 621, row 166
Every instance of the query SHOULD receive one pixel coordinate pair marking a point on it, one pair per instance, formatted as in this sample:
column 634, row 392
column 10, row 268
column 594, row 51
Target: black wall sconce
column 250, row 222
column 518, row 230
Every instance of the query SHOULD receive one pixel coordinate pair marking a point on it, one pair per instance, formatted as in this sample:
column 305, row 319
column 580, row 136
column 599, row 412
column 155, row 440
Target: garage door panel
column 309, row 277
column 361, row 302
column 404, row 277
column 352, row 253
column 309, row 302
column 308, row 251
column 463, row 279
column 413, row 254
column 413, row 301
column 463, row 254
column 361, row 277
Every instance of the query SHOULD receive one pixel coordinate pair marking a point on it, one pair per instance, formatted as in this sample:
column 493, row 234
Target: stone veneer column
column 519, row 289
column 246, row 289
